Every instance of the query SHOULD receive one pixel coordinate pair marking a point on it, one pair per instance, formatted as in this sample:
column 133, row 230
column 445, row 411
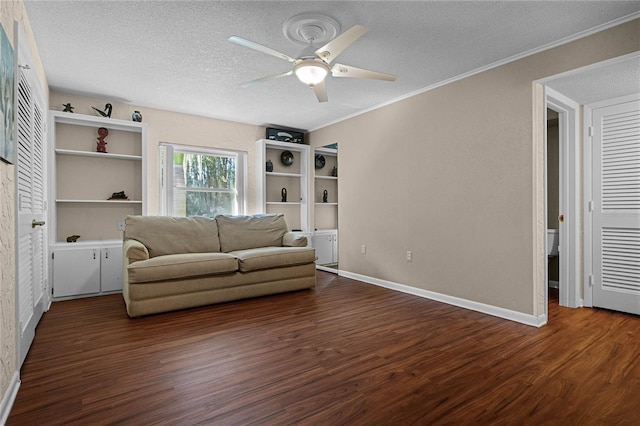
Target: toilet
column 553, row 238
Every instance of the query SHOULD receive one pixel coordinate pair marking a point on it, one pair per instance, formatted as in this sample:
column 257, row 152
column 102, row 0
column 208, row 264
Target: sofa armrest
column 293, row 239
column 134, row 251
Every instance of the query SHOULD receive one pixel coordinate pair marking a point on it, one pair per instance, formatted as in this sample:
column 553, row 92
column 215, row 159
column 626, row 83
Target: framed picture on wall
column 7, row 100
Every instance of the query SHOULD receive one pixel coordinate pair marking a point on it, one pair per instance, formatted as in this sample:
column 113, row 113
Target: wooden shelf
column 98, row 154
column 283, row 174
column 100, row 201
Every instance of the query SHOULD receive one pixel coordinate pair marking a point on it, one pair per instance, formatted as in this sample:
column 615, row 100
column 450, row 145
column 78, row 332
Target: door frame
column 569, row 203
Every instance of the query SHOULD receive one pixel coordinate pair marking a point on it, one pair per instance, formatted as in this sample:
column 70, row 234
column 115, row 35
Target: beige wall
column 451, row 174
column 11, row 11
column 173, row 127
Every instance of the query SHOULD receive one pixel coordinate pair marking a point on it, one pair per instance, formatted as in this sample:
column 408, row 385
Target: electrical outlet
column 121, row 225
column 363, row 249
column 409, row 256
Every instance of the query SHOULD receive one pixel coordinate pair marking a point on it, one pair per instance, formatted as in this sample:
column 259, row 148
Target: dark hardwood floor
column 343, row 353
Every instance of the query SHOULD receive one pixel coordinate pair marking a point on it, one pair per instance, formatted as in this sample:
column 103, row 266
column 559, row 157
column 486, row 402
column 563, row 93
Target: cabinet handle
column 35, row 223
column 106, row 254
column 94, row 255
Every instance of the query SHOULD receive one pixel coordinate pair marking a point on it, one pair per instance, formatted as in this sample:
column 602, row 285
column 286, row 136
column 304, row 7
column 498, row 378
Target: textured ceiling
column 175, row 55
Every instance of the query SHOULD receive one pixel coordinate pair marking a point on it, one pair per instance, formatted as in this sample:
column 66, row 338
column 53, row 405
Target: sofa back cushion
column 245, row 232
column 173, row 235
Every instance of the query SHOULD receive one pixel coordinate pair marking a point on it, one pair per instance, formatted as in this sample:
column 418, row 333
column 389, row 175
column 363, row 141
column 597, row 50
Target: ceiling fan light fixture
column 310, row 72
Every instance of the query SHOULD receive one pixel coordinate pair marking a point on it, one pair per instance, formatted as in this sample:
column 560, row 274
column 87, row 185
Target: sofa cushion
column 164, row 235
column 273, row 257
column 172, row 266
column 245, row 232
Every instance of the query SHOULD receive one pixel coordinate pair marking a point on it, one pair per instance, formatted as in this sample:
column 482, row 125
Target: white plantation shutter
column 616, row 215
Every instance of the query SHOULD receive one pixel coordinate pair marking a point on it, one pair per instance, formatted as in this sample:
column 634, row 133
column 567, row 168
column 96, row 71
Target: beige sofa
column 174, row 263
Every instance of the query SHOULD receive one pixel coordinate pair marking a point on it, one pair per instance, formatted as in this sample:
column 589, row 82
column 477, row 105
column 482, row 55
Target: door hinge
column 590, row 280
column 52, row 255
column 590, row 131
column 591, row 206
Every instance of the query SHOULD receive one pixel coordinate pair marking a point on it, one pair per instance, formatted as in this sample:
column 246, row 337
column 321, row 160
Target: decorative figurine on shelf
column 67, row 108
column 136, row 116
column 106, row 113
column 269, row 166
column 118, row 196
column 334, row 171
column 72, row 238
column 284, row 195
column 325, row 196
column 103, row 132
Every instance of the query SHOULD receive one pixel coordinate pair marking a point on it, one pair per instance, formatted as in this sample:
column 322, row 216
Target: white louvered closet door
column 32, row 266
column 616, row 207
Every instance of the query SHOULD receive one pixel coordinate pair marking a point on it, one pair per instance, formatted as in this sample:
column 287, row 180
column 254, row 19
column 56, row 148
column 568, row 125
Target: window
column 198, row 181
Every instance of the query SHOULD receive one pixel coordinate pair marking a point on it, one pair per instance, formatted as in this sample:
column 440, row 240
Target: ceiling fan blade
column 339, row 70
column 260, row 48
column 321, row 91
column 267, row 78
column 331, row 50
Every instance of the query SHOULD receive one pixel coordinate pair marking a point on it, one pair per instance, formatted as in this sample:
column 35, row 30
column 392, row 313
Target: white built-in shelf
column 100, row 201
column 98, row 154
column 326, row 204
column 327, row 177
column 283, row 174
column 280, row 203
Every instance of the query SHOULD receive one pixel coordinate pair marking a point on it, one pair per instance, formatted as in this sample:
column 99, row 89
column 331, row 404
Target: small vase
column 334, row 171
column 269, row 166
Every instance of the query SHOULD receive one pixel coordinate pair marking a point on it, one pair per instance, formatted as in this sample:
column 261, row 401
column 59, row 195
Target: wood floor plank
column 343, row 353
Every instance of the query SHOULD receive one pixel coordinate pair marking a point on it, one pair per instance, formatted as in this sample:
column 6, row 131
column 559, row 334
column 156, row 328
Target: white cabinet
column 111, row 269
column 81, row 203
column 326, row 245
column 86, row 270
column 285, row 188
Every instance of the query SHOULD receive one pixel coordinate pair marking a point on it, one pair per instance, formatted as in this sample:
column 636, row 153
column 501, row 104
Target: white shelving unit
column 82, row 181
column 325, row 214
column 294, row 178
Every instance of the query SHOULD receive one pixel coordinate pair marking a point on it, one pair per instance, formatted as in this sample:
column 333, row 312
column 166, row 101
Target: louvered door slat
column 616, row 217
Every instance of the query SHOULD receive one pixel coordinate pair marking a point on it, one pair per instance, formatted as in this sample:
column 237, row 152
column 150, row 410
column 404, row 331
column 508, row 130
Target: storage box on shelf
column 292, row 179
column 83, row 181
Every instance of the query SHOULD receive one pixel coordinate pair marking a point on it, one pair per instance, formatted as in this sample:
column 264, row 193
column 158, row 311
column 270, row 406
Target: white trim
column 569, row 231
column 9, row 398
column 495, row 311
column 590, row 67
column 496, row 64
column 166, row 187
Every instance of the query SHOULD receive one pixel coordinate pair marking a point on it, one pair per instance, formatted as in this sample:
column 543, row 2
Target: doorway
column 566, row 219
column 553, row 205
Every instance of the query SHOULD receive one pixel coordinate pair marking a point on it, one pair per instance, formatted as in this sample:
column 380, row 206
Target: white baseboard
column 527, row 319
column 9, row 398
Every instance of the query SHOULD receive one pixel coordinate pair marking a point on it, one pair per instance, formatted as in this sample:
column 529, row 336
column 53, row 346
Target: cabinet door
column 334, row 247
column 76, row 272
column 111, row 269
column 323, row 243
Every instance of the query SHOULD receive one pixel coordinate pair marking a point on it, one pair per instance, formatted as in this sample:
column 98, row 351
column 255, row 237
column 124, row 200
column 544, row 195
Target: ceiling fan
column 312, row 66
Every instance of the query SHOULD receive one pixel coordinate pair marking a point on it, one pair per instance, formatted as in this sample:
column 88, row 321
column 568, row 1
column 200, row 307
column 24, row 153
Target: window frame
column 167, row 150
